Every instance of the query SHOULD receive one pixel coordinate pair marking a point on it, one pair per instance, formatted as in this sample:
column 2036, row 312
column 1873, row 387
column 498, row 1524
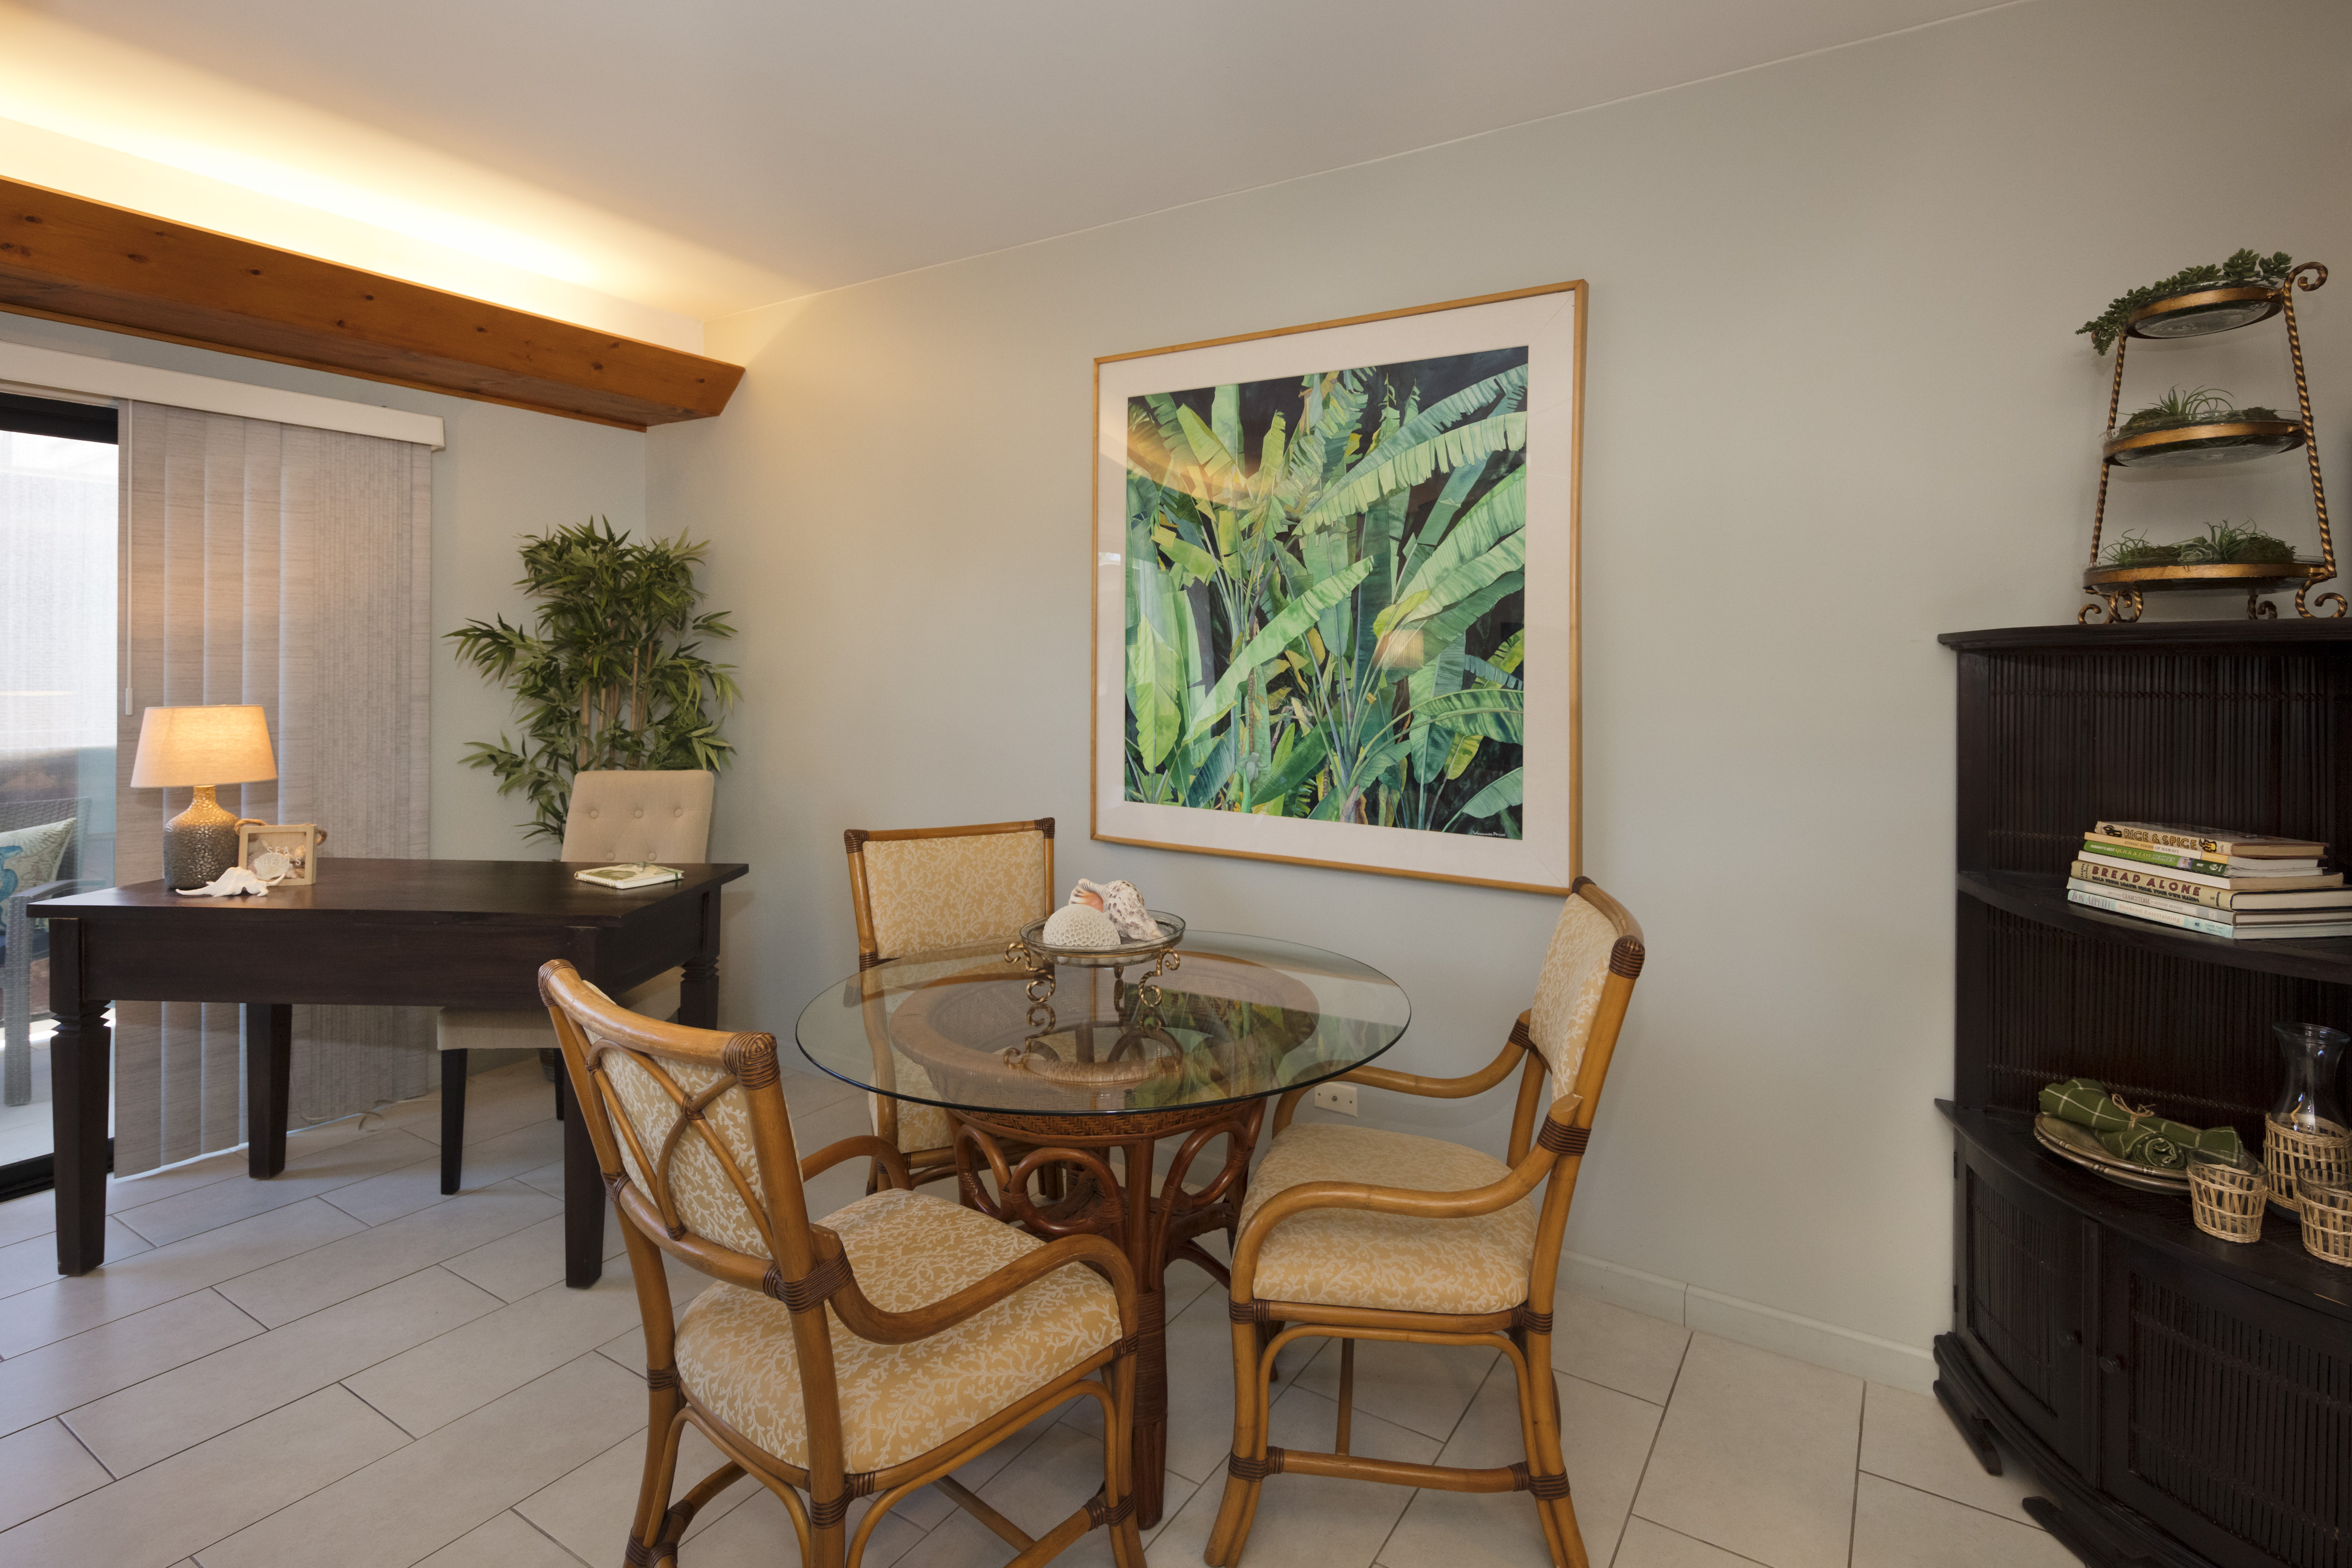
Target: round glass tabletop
column 1230, row 1017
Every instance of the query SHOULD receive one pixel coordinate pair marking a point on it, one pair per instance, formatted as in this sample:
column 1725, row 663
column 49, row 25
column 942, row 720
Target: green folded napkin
column 2128, row 1135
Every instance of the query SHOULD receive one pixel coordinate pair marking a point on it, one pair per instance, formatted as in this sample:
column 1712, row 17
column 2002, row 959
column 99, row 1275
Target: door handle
column 2111, row 1363
column 2072, row 1338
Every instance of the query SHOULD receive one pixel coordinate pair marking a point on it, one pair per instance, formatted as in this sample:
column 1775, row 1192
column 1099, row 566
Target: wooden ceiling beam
column 70, row 259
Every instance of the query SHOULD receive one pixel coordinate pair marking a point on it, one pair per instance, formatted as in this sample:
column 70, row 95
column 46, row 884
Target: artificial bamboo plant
column 610, row 677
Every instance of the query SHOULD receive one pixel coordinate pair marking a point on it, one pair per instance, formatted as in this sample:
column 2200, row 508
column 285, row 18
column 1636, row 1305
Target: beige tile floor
column 341, row 1366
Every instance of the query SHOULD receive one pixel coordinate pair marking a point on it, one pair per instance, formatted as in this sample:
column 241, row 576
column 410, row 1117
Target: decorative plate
column 2081, row 1147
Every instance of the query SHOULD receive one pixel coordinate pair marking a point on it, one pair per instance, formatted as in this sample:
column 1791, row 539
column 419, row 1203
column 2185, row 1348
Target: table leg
column 1150, row 1413
column 80, row 1064
column 583, row 1206
column 268, row 1072
column 698, row 993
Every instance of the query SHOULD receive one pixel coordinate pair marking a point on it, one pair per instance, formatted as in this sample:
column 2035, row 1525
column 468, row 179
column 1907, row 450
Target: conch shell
column 1123, row 904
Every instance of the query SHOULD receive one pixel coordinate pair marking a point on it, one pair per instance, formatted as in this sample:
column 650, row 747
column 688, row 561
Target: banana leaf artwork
column 1334, row 612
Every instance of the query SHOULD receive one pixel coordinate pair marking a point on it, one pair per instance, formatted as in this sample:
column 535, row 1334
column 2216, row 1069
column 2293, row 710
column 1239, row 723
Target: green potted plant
column 610, row 674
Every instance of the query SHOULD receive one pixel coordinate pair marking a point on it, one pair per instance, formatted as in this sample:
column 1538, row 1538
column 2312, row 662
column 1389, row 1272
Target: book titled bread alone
column 621, row 878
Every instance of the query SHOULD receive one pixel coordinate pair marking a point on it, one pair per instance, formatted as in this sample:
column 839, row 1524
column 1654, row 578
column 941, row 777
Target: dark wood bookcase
column 2182, row 1400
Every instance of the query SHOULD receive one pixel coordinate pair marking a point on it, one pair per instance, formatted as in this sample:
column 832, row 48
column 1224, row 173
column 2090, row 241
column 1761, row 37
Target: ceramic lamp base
column 200, row 842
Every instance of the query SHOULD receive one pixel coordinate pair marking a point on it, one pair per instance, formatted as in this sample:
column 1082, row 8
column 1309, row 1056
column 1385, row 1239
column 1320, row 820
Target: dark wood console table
column 379, row 933
column 2183, row 1401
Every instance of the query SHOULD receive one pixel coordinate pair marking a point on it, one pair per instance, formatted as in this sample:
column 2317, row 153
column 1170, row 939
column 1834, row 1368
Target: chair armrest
column 1524, row 1178
column 863, row 1146
column 868, row 1321
column 1388, row 1078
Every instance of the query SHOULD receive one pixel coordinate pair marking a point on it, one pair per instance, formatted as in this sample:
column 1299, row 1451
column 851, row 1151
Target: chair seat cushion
column 921, row 1128
column 736, row 1356
column 1348, row 1258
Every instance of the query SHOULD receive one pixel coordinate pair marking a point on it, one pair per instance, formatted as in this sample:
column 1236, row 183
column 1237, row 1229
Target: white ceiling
column 778, row 147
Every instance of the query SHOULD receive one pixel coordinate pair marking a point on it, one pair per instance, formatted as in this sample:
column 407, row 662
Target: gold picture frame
column 297, row 841
column 1213, row 732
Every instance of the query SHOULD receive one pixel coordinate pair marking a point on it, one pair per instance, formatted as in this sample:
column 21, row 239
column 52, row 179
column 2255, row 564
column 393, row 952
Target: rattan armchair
column 1354, row 1233
column 866, row 1354
column 916, row 890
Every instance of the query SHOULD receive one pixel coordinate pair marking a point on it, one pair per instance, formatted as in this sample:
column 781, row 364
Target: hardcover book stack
column 2243, row 886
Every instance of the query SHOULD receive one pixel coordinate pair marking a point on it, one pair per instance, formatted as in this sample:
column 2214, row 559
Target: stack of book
column 2244, row 886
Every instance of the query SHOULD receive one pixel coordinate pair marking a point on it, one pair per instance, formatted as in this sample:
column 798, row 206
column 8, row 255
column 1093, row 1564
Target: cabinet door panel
column 2022, row 1309
column 2227, row 1414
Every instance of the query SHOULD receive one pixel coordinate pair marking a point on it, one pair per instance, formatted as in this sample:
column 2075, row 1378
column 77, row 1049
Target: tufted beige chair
column 867, row 1354
column 658, row 815
column 1355, row 1233
column 916, row 890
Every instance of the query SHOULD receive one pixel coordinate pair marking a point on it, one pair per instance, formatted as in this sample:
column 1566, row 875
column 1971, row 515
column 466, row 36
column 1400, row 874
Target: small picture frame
column 282, row 854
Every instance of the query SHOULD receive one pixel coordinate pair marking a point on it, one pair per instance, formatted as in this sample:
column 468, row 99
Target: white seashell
column 1086, row 893
column 228, row 884
column 1080, row 925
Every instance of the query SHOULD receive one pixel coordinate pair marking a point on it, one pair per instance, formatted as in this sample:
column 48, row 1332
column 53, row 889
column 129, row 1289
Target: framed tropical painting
column 1336, row 592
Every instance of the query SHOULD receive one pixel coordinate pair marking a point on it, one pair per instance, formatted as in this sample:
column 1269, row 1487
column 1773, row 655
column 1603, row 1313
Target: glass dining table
column 1047, row 1069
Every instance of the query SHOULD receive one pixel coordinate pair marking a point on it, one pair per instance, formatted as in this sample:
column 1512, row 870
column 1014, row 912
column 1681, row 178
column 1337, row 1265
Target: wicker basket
column 2226, row 1195
column 2328, row 1223
column 2295, row 1155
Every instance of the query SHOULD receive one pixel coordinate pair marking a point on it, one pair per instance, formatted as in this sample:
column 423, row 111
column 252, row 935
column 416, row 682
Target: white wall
column 505, row 473
column 1836, row 408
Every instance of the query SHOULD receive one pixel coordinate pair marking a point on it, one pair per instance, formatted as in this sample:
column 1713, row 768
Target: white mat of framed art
column 1192, row 539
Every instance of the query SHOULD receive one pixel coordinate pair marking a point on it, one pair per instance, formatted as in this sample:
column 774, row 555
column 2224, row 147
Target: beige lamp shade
column 224, row 745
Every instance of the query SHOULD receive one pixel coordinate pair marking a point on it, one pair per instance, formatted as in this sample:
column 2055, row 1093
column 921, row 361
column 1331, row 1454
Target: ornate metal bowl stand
column 2123, row 590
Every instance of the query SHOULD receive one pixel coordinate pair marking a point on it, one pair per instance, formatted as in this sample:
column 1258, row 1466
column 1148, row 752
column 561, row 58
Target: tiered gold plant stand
column 2123, row 589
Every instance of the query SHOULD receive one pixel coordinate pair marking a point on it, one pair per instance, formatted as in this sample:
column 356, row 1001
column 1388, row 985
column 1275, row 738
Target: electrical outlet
column 1339, row 1097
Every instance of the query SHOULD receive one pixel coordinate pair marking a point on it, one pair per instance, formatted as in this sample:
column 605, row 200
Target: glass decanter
column 2307, row 1101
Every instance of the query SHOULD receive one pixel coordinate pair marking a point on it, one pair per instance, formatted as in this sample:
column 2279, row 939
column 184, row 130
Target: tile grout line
column 530, row 1524
column 1957, row 1502
column 266, row 1330
column 1414, row 1494
column 1670, row 1529
column 86, row 1449
column 1854, row 1504
column 1655, row 1433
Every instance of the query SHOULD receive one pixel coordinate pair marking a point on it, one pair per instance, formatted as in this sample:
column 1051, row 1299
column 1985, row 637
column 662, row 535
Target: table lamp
column 228, row 744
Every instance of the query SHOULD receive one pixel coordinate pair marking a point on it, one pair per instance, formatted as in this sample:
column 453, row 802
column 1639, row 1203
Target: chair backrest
column 1570, row 1033
column 915, row 889
column 695, row 1143
column 650, row 814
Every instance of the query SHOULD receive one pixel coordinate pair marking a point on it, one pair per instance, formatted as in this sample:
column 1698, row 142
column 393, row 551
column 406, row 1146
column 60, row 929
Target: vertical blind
column 286, row 566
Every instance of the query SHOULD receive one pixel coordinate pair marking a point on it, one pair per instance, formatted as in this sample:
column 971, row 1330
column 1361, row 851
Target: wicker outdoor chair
column 869, row 1354
column 1354, row 1233
column 917, row 889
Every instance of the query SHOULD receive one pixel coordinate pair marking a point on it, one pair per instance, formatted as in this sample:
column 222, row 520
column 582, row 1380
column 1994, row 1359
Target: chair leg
column 562, row 1082
column 1118, row 1466
column 1539, row 1400
column 664, row 1428
column 453, row 1118
column 1239, row 1505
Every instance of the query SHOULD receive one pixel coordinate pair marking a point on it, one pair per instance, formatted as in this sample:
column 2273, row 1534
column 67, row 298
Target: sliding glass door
column 59, row 488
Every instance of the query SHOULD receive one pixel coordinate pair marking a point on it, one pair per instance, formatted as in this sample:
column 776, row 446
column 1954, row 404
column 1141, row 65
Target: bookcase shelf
column 2276, row 1265
column 2041, row 896
column 2182, row 1400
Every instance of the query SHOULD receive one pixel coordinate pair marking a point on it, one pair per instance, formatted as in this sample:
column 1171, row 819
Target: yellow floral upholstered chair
column 867, row 1354
column 918, row 890
column 1355, row 1233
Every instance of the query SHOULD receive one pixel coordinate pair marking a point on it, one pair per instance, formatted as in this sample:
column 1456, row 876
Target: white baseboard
column 1803, row 1339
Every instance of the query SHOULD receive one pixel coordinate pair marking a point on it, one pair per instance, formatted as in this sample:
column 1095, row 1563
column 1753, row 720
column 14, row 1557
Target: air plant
column 2194, row 405
column 2225, row 544
column 2244, row 267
